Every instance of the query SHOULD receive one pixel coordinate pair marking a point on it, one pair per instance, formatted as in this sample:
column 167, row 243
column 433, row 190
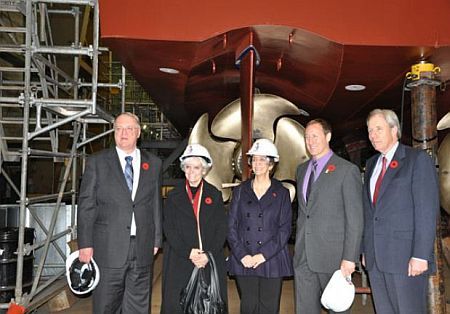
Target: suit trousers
column 309, row 286
column 398, row 293
column 124, row 290
column 259, row 295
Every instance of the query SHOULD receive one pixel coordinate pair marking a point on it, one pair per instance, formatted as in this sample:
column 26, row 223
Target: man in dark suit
column 330, row 218
column 401, row 203
column 119, row 220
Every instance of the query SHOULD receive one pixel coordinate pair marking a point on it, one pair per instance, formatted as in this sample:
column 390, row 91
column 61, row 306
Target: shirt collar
column 390, row 154
column 123, row 154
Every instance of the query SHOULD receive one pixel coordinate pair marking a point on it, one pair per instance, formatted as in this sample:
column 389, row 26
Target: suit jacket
column 329, row 226
column 180, row 229
column 402, row 224
column 260, row 226
column 105, row 209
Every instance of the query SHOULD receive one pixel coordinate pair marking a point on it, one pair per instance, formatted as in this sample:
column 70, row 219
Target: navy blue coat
column 402, row 224
column 260, row 226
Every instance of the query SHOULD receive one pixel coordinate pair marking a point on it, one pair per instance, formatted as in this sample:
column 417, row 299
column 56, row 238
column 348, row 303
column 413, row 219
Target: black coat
column 180, row 230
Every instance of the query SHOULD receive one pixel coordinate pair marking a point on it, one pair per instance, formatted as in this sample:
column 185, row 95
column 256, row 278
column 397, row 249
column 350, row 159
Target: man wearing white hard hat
column 330, row 218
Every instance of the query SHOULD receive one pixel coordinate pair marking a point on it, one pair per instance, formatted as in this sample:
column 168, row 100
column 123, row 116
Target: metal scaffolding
column 43, row 100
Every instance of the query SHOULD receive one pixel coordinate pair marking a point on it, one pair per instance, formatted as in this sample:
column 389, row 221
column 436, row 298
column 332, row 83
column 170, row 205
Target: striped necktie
column 129, row 172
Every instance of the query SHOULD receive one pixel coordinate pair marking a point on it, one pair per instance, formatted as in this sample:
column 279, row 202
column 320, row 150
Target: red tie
column 379, row 180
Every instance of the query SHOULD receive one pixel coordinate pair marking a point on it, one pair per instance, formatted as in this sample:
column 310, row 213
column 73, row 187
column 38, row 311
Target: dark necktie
column 129, row 172
column 379, row 180
column 312, row 176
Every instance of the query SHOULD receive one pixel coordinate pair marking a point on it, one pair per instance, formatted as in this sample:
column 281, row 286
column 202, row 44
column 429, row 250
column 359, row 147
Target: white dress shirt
column 136, row 154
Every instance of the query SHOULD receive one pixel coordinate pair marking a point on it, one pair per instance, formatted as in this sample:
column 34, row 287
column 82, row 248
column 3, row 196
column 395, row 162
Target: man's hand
column 247, row 261
column 258, row 259
column 363, row 260
column 86, row 255
column 347, row 268
column 417, row 267
column 155, row 250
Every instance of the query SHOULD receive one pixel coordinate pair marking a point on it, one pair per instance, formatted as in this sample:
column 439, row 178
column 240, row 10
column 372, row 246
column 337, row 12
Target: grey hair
column 131, row 115
column 391, row 118
column 205, row 165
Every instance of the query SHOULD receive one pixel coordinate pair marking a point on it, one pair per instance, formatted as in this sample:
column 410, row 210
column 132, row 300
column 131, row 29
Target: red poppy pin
column 330, row 168
column 145, row 166
column 274, row 194
column 208, row 200
column 393, row 164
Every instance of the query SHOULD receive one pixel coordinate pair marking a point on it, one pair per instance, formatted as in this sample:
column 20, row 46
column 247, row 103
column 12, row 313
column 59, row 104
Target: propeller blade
column 221, row 153
column 290, row 142
column 444, row 172
column 444, row 123
column 267, row 108
column 291, row 189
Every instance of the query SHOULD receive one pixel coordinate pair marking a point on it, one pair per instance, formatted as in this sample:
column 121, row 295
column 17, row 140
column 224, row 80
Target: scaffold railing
column 43, row 100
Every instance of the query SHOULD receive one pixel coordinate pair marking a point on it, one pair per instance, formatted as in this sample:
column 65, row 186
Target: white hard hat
column 197, row 150
column 264, row 147
column 82, row 278
column 339, row 293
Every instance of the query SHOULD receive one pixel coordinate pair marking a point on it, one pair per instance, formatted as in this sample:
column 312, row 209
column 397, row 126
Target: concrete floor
column 84, row 306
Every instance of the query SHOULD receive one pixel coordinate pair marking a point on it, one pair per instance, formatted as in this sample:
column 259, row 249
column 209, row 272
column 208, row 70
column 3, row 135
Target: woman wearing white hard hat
column 193, row 204
column 259, row 227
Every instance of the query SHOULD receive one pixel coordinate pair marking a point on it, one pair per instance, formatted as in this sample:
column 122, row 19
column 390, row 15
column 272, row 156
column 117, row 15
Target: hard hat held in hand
column 197, row 150
column 82, row 278
column 339, row 293
column 264, row 147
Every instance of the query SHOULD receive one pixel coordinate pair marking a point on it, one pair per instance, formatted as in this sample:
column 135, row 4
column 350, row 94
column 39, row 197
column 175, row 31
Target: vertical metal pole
column 122, row 103
column 76, row 59
column 424, row 133
column 95, row 57
column 76, row 126
column 24, row 165
column 246, row 84
column 84, row 138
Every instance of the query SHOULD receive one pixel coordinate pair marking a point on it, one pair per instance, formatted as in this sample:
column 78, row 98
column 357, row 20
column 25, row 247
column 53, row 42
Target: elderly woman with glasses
column 259, row 227
column 194, row 223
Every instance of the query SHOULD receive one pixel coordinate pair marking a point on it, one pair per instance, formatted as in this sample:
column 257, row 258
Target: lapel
column 392, row 171
column 114, row 164
column 247, row 189
column 181, row 200
column 145, row 159
column 300, row 179
column 320, row 181
column 370, row 167
column 271, row 194
column 206, row 210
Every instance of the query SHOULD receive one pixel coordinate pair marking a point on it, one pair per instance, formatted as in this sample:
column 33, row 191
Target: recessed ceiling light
column 355, row 87
column 169, row 70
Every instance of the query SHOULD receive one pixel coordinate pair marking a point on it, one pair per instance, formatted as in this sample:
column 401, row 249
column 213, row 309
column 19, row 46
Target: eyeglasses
column 127, row 128
column 260, row 159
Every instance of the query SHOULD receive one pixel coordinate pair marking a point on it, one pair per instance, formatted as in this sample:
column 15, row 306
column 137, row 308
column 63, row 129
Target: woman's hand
column 258, row 259
column 247, row 261
column 198, row 258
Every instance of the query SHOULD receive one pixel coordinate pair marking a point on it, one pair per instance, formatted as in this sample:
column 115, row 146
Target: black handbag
column 199, row 297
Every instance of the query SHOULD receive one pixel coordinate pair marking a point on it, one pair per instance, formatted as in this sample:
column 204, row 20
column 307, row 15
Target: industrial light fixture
column 169, row 70
column 355, row 87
